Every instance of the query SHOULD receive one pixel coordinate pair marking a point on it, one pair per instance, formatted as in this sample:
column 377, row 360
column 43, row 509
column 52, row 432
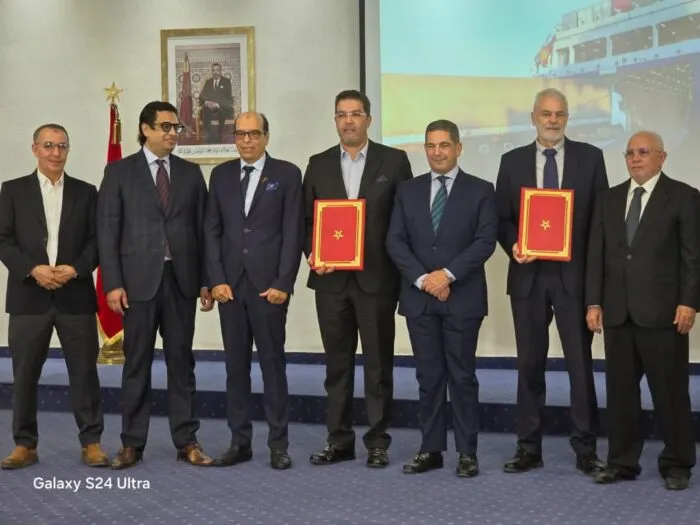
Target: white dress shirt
column 52, row 197
column 541, row 158
column 352, row 170
column 648, row 187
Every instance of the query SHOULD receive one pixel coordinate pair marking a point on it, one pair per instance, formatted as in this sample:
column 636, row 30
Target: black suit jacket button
column 245, row 250
column 434, row 247
column 246, row 230
column 629, row 256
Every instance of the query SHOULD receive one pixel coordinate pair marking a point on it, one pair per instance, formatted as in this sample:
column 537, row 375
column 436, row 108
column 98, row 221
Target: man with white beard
column 540, row 290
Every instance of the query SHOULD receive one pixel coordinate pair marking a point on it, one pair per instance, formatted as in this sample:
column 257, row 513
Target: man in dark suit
column 443, row 230
column 216, row 101
column 540, row 290
column 254, row 232
column 642, row 292
column 48, row 243
column 151, row 239
column 352, row 301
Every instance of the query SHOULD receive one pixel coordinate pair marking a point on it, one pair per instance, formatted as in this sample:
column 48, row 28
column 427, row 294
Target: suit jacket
column 267, row 243
column 660, row 270
column 584, row 172
column 385, row 168
column 465, row 240
column 132, row 228
column 23, row 245
column 222, row 95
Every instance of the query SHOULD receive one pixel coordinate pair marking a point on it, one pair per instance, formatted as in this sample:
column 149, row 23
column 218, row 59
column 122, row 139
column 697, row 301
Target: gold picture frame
column 207, row 101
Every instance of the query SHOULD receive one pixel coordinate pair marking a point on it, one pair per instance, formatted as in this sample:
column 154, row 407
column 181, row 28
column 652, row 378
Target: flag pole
column 109, row 323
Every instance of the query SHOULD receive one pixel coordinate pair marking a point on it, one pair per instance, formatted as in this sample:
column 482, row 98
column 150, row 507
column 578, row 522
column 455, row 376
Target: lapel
column 570, row 165
column 657, row 203
column 262, row 181
column 177, row 183
column 67, row 205
column 143, row 170
column 530, row 168
column 619, row 205
column 35, row 202
column 372, row 164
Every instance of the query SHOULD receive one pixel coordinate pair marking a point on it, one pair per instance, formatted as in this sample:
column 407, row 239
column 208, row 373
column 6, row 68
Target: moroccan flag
column 108, row 322
column 186, row 96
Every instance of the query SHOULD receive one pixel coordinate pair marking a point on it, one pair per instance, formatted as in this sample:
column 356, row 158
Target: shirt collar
column 559, row 146
column 258, row 164
column 45, row 182
column 363, row 151
column 152, row 157
column 452, row 174
column 648, row 185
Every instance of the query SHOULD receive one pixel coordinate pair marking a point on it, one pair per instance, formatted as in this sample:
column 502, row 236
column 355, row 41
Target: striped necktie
column 438, row 206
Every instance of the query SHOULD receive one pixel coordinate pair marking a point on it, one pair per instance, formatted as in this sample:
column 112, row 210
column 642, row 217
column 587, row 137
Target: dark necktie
column 163, row 189
column 244, row 183
column 438, row 206
column 551, row 176
column 634, row 213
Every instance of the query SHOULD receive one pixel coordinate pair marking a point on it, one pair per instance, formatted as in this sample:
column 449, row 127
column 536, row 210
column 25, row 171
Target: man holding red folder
column 543, row 289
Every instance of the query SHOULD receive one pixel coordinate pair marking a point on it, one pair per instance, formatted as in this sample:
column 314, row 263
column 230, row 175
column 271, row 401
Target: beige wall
column 56, row 56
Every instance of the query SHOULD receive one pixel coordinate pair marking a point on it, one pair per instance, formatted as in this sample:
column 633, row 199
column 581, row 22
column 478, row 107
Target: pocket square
column 382, row 178
column 272, row 185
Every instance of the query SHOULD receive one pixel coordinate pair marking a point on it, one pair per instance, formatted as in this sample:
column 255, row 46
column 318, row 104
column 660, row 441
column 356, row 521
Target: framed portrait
column 209, row 76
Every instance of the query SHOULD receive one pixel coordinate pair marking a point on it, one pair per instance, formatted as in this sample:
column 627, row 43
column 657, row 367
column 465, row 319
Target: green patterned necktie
column 439, row 202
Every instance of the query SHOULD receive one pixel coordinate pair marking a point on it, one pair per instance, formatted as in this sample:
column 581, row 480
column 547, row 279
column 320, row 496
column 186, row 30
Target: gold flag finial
column 113, row 93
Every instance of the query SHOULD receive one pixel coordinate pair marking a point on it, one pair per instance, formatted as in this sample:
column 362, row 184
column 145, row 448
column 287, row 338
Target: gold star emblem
column 338, row 235
column 113, row 93
column 545, row 225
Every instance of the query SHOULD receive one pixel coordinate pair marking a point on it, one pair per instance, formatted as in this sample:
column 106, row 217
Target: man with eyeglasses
column 642, row 292
column 348, row 302
column 542, row 290
column 48, row 243
column 254, row 232
column 150, row 234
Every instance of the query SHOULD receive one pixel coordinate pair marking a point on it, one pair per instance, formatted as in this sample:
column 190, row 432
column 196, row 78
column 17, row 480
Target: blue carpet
column 497, row 394
column 344, row 494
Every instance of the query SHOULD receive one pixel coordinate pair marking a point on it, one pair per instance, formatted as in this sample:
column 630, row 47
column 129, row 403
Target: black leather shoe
column 423, row 462
column 127, row 457
column 522, row 462
column 377, row 458
column 467, row 466
column 611, row 475
column 677, row 480
column 280, row 460
column 332, row 454
column 589, row 465
column 234, row 455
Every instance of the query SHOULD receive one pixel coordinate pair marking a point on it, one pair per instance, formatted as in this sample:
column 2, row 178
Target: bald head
column 251, row 133
column 651, row 137
column 644, row 156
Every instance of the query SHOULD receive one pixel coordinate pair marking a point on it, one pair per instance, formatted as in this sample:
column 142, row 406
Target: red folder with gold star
column 546, row 221
column 339, row 234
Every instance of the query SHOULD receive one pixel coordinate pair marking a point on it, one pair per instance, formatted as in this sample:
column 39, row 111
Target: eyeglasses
column 253, row 134
column 167, row 126
column 354, row 115
column 642, row 152
column 50, row 146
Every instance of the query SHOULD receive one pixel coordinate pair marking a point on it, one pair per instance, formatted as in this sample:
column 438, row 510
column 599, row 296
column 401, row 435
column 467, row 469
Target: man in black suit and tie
column 48, row 243
column 540, row 290
column 254, row 232
column 642, row 292
column 151, row 239
column 216, row 101
column 443, row 230
column 352, row 301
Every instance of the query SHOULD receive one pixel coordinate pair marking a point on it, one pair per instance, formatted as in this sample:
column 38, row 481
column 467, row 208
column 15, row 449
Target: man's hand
column 594, row 319
column 64, row 273
column 443, row 295
column 222, row 293
column 522, row 259
column 206, row 300
column 117, row 301
column 275, row 296
column 322, row 270
column 45, row 277
column 685, row 318
column 435, row 282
